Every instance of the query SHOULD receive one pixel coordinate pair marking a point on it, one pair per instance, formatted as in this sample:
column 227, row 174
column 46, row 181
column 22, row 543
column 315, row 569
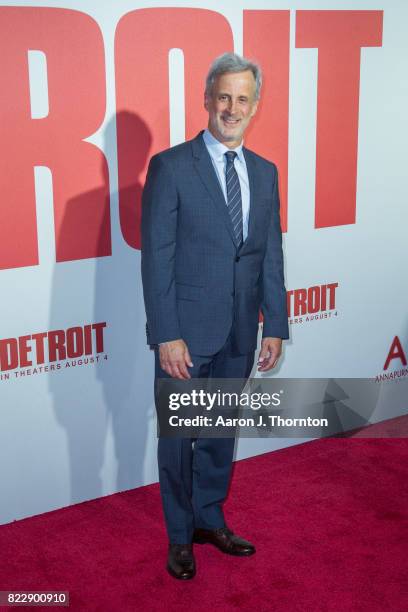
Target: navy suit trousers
column 194, row 474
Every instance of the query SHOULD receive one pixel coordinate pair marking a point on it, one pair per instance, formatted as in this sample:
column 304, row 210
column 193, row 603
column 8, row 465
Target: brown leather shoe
column 225, row 540
column 181, row 562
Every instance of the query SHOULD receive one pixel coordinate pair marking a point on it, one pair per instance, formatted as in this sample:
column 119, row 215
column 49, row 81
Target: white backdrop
column 87, row 431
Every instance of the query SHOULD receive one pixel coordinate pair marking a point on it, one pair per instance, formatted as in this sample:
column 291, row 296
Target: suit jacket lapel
column 253, row 197
column 205, row 169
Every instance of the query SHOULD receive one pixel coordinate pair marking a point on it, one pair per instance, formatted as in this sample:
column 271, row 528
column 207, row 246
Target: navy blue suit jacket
column 197, row 283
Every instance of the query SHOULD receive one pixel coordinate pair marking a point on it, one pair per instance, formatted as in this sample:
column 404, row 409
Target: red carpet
column 329, row 519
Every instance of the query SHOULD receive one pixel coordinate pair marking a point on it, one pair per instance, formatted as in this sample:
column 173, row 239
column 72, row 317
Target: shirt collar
column 217, row 149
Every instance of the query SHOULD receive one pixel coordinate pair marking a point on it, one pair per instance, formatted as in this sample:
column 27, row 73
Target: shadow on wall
column 97, row 290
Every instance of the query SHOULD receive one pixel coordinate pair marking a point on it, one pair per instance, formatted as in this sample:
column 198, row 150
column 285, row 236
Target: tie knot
column 230, row 155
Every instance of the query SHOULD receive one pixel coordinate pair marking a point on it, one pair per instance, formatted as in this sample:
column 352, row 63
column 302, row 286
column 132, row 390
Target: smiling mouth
column 230, row 121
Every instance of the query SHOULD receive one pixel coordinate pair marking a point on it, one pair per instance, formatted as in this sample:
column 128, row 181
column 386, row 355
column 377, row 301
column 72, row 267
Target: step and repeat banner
column 89, row 91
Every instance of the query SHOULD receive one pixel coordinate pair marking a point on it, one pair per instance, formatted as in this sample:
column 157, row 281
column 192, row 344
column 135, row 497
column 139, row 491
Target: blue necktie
column 234, row 201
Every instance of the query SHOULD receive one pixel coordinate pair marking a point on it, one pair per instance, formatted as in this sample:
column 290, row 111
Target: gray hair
column 232, row 62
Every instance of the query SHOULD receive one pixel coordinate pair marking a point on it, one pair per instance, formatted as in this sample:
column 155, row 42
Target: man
column 211, row 259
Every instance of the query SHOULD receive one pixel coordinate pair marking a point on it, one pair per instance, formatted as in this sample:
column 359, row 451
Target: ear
column 206, row 102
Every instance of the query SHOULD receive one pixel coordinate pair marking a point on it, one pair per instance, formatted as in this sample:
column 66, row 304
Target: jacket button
column 237, row 258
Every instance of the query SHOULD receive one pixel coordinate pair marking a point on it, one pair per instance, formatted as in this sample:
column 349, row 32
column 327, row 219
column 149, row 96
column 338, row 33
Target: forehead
column 242, row 81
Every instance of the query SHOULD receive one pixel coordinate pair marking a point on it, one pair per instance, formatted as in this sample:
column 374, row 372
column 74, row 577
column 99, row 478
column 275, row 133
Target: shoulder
column 173, row 154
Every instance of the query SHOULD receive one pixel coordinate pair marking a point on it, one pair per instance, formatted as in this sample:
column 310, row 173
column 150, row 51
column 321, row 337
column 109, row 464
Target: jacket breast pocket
column 188, row 292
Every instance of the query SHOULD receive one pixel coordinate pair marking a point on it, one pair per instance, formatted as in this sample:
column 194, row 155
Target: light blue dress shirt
column 217, row 153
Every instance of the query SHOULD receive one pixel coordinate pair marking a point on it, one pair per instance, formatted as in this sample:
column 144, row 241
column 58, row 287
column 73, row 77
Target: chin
column 229, row 134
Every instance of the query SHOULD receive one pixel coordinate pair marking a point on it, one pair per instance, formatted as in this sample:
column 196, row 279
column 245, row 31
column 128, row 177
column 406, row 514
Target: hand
column 174, row 359
column 271, row 349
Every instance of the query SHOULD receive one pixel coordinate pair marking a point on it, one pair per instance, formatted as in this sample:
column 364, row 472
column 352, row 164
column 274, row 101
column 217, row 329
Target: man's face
column 230, row 106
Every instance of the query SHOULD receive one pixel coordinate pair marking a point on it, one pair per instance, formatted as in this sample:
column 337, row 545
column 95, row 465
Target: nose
column 232, row 106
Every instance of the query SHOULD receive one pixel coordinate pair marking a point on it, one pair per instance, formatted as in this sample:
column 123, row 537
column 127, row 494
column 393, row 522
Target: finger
column 188, row 359
column 263, row 355
column 175, row 373
column 165, row 366
column 183, row 369
column 272, row 364
column 180, row 371
column 265, row 364
column 269, row 366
